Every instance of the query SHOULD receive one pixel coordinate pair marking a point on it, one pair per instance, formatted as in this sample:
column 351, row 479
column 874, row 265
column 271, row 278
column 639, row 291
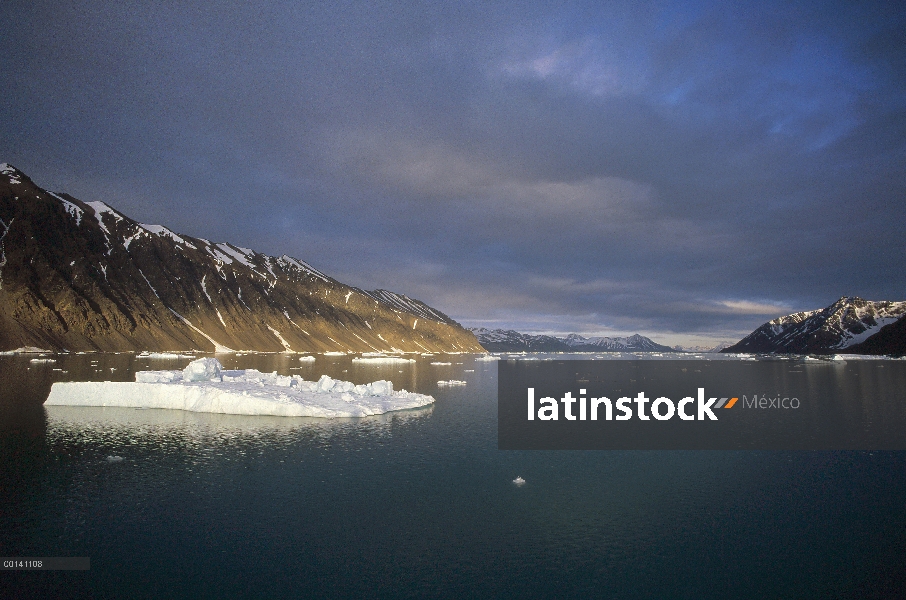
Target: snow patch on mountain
column 11, row 172
column 163, row 231
column 406, row 304
column 101, row 209
column 288, row 261
column 74, row 211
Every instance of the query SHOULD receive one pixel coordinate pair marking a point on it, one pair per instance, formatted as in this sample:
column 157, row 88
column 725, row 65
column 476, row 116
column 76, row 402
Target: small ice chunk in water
column 203, row 369
column 519, row 481
column 114, row 458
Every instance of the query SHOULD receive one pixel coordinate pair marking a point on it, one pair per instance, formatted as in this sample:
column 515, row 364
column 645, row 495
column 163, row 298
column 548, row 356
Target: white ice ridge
column 487, row 357
column 203, row 386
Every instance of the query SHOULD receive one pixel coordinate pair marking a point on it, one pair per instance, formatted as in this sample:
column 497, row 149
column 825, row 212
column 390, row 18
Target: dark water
column 418, row 504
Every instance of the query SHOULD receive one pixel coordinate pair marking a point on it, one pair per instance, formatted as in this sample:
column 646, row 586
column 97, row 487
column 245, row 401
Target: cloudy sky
column 685, row 170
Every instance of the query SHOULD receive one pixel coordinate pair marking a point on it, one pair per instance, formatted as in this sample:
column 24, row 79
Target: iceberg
column 205, row 386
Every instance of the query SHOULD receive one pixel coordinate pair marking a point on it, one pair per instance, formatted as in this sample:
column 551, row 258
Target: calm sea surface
column 419, row 503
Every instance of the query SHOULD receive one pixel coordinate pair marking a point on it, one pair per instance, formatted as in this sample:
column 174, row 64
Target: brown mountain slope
column 82, row 276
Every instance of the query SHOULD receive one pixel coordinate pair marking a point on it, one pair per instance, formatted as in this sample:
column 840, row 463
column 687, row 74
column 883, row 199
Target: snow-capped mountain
column 634, row 343
column 703, row 349
column 83, row 276
column 506, row 340
column 844, row 326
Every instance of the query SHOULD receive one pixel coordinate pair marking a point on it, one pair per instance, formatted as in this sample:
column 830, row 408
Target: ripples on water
column 417, row 503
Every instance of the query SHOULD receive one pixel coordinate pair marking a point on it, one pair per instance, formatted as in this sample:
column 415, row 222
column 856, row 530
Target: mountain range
column 82, row 276
column 507, row 340
column 703, row 349
column 849, row 325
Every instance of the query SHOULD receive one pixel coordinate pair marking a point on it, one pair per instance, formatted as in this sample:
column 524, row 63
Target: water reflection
column 118, row 426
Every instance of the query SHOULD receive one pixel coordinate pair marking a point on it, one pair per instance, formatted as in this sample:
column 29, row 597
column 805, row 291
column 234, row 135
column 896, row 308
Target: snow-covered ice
column 450, row 382
column 204, row 386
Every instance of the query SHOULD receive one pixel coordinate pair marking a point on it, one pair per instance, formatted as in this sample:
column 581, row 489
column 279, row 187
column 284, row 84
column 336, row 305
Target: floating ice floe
column 42, row 360
column 204, row 386
column 519, row 481
column 441, row 364
column 24, row 350
column 487, row 357
column 382, row 360
column 450, row 382
column 163, row 355
column 114, row 459
column 308, row 358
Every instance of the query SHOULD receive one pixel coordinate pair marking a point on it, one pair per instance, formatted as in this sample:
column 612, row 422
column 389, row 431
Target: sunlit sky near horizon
column 683, row 170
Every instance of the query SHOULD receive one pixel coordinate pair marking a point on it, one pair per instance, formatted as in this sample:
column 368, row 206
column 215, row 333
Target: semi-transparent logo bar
column 702, row 405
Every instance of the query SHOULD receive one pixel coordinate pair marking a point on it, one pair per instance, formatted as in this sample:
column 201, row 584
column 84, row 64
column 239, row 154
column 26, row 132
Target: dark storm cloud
column 671, row 168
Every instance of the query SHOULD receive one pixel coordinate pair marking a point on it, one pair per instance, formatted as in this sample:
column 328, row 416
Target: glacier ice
column 204, row 386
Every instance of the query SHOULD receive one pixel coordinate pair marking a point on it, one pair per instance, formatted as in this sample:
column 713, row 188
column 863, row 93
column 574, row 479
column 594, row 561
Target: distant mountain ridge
column 849, row 325
column 704, row 349
column 507, row 340
column 83, row 276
